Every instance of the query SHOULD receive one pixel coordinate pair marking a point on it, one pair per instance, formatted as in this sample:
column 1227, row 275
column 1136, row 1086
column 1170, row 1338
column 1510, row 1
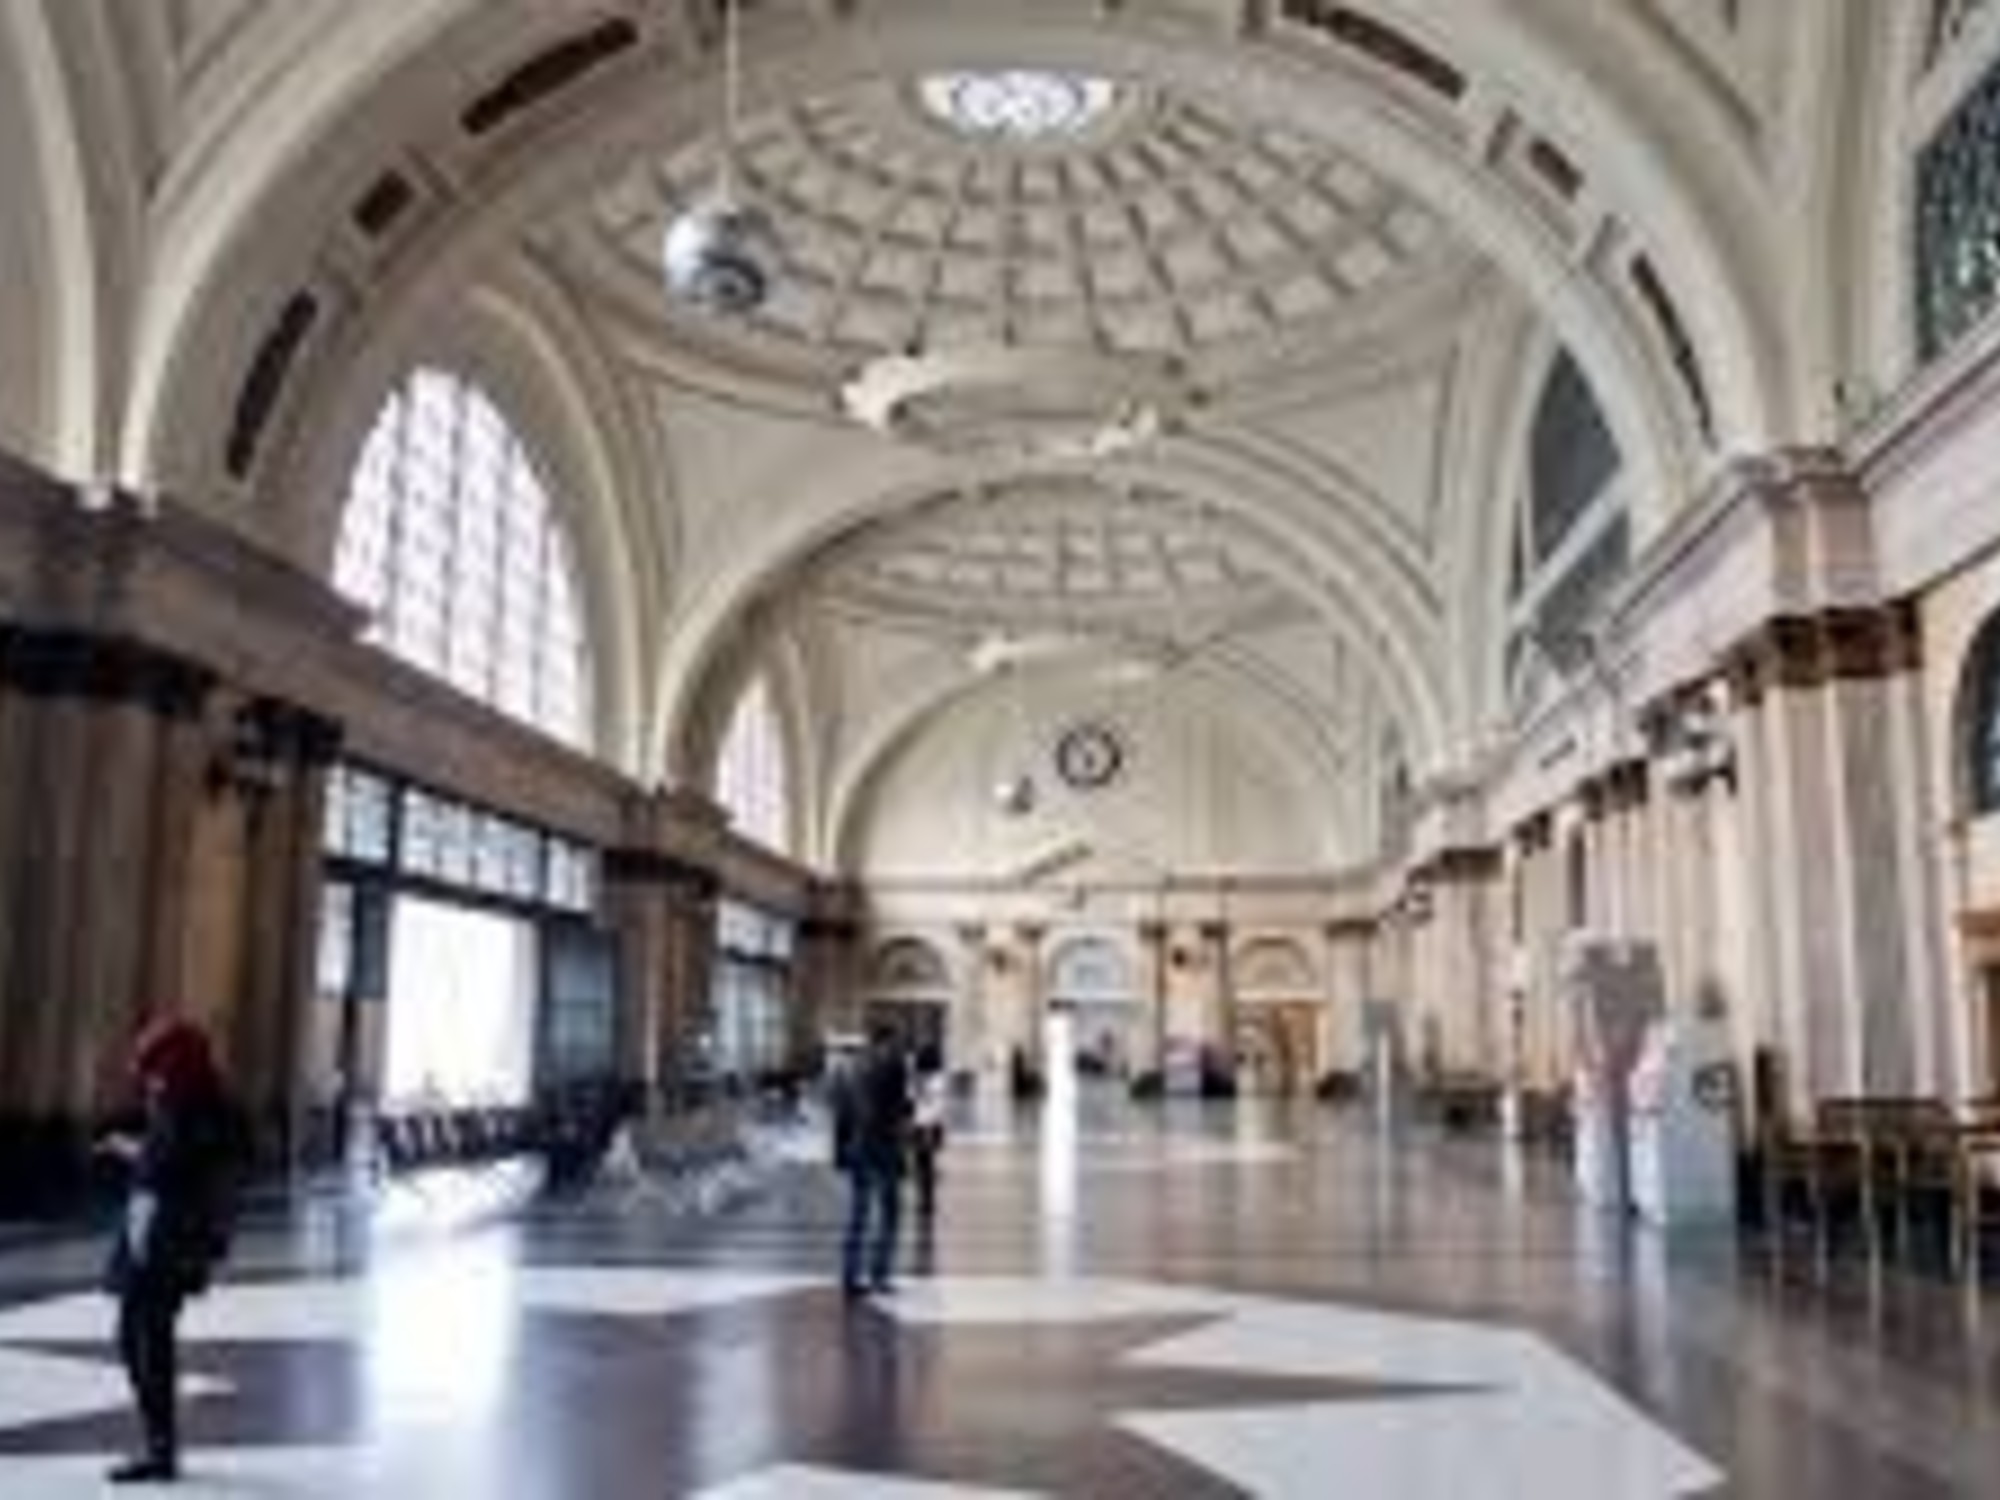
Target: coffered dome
column 1034, row 211
column 1055, row 552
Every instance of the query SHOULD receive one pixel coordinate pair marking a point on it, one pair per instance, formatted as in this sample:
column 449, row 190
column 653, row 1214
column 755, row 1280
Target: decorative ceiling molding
column 1022, row 406
column 797, row 45
column 1184, row 228
column 1062, row 550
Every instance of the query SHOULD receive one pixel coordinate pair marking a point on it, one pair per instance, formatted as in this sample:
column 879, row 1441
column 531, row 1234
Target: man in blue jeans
column 871, row 1118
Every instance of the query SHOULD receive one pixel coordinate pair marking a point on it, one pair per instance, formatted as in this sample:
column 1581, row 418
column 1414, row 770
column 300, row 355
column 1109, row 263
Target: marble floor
column 1199, row 1301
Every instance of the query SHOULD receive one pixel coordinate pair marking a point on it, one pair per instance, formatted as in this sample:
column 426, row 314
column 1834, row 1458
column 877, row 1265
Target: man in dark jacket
column 183, row 1161
column 871, row 1131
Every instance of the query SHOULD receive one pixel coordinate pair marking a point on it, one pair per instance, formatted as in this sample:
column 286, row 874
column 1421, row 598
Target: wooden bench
column 1891, row 1162
column 419, row 1140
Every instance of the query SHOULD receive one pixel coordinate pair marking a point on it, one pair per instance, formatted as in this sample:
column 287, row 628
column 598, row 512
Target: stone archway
column 1095, row 1007
column 910, row 987
column 1280, row 1009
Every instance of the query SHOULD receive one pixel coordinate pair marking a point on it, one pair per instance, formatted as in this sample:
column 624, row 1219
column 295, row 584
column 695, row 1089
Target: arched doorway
column 1279, row 1007
column 910, row 988
column 1094, row 1011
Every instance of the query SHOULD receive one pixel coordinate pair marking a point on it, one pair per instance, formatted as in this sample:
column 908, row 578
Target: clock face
column 1089, row 756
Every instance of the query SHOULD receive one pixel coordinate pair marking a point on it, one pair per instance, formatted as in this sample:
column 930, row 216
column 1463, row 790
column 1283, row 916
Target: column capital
column 830, row 930
column 653, row 867
column 102, row 668
column 1467, row 864
column 277, row 730
column 1536, row 833
column 1832, row 645
column 1617, row 788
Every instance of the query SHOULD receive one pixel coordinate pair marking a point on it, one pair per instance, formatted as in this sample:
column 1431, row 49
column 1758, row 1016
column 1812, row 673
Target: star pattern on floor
column 569, row 1380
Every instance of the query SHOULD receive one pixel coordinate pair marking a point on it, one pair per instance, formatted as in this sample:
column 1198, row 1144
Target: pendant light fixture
column 1015, row 794
column 719, row 255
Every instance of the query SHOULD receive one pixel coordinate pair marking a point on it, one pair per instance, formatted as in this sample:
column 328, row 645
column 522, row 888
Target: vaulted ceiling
column 1335, row 245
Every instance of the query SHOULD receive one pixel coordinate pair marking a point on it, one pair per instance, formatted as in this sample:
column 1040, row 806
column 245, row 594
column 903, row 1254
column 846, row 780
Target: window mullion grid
column 544, row 613
column 453, row 569
column 494, row 615
column 513, row 475
column 386, row 627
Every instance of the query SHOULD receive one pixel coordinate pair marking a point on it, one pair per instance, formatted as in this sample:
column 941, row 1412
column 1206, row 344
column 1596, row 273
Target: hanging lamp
column 719, row 256
column 1016, row 794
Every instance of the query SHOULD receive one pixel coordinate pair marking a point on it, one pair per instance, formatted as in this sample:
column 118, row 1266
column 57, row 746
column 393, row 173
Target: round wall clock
column 1089, row 756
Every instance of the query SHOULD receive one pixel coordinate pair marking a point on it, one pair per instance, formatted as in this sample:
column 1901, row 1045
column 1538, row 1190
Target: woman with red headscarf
column 183, row 1164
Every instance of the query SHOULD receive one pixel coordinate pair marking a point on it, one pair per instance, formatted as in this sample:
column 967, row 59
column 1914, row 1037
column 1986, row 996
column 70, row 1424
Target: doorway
column 1277, row 1048
column 921, row 1025
column 460, row 1024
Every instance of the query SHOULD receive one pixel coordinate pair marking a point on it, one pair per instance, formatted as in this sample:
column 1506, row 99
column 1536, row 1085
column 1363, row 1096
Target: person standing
column 871, row 1129
column 182, row 1163
column 927, row 1130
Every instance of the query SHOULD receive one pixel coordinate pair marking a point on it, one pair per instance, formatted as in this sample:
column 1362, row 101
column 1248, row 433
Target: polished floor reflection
column 1115, row 1303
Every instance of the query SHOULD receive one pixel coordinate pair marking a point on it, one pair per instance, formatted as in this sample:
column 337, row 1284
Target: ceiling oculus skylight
column 1021, row 105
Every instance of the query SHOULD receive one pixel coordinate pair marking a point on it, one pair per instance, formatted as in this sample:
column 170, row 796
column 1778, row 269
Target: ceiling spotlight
column 720, row 255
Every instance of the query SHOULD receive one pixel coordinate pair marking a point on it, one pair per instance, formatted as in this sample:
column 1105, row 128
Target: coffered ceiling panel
column 1048, row 553
column 1131, row 219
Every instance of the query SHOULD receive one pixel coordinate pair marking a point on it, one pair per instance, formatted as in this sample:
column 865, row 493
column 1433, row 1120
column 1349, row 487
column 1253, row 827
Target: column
column 1347, row 990
column 1219, row 1021
column 94, row 871
column 1031, row 991
column 973, row 1047
column 690, row 1014
column 1834, row 846
column 830, row 947
column 638, row 914
column 1153, row 949
column 664, row 909
column 1425, row 1003
column 1465, row 891
column 1543, row 921
column 275, row 766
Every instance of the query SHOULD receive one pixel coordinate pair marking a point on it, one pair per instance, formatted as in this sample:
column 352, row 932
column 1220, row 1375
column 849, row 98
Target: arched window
column 1572, row 459
column 1980, row 720
column 750, row 772
column 1957, row 282
column 1573, row 542
column 450, row 541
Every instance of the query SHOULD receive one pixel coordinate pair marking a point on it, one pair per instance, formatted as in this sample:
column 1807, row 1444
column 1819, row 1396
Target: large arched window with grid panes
column 751, row 776
column 1979, row 719
column 450, row 541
